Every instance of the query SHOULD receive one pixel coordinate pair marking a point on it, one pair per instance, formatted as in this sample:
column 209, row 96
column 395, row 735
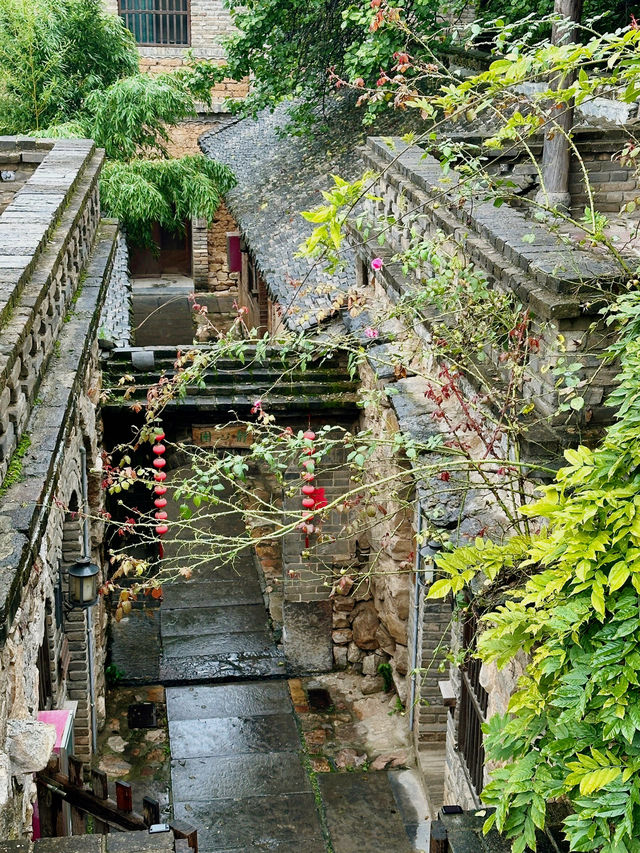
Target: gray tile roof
column 279, row 176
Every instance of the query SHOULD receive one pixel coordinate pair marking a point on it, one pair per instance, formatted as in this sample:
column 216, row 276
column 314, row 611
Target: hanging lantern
column 83, row 583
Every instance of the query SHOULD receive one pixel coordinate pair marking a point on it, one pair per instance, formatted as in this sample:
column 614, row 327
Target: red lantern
column 160, row 502
column 159, row 462
column 308, row 490
column 159, row 449
column 161, row 529
column 311, row 436
column 160, row 476
column 159, row 436
column 308, row 503
column 160, row 490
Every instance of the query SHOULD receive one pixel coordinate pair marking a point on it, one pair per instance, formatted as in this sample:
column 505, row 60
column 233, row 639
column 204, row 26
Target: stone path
column 214, row 627
column 238, row 769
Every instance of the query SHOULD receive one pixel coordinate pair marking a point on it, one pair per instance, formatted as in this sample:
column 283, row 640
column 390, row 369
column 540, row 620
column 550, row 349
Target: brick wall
column 210, row 265
column 210, row 24
column 310, row 578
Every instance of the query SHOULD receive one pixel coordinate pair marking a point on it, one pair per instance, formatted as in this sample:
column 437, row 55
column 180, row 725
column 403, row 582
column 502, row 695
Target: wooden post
column 99, row 784
column 76, row 780
column 76, row 772
column 556, row 153
column 100, row 789
column 150, row 810
column 182, row 829
column 124, row 796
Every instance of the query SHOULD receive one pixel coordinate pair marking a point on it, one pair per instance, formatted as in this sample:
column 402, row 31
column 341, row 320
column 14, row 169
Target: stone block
column 29, row 744
column 354, row 654
column 307, row 636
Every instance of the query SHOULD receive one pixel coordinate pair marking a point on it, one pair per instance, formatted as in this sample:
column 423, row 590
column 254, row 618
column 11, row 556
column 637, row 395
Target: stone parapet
column 25, row 504
column 46, row 235
column 559, row 284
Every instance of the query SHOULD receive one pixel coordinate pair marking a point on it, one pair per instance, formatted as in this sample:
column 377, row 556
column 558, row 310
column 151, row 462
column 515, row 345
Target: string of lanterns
column 160, row 489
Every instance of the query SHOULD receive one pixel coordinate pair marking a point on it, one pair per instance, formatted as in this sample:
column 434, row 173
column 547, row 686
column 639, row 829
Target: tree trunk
column 556, row 154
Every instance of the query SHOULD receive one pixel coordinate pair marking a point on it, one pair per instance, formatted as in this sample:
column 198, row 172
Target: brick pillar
column 75, row 628
column 200, row 254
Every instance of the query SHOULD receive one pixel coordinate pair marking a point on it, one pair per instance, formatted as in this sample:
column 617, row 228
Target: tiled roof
column 279, row 176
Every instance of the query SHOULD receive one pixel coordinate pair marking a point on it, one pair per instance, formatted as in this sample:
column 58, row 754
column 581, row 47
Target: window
column 473, row 708
column 157, row 22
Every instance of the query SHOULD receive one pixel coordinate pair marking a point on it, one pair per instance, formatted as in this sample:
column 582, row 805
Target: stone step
column 285, row 823
column 222, row 667
column 183, row 594
column 229, row 700
column 207, row 621
column 239, row 776
column 186, row 645
column 233, row 736
column 362, row 813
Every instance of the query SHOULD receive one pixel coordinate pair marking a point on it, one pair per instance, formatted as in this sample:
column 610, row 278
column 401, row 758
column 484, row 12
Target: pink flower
column 376, row 264
column 371, row 333
column 257, row 407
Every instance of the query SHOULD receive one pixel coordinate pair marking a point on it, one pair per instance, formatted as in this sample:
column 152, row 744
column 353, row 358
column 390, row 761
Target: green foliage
column 52, row 55
column 573, row 727
column 299, row 48
column 130, row 117
column 14, row 471
column 610, row 15
column 384, row 669
column 170, row 192
column 67, row 69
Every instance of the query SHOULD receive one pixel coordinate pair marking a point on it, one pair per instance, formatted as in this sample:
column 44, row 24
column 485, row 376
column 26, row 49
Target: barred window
column 157, row 22
column 473, row 709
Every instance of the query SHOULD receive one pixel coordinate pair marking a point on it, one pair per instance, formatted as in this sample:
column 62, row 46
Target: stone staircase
column 232, row 383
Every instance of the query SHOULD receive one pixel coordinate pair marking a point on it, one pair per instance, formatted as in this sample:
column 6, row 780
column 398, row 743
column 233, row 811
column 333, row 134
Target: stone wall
column 556, row 281
column 115, row 319
column 57, row 265
column 598, row 154
column 15, row 168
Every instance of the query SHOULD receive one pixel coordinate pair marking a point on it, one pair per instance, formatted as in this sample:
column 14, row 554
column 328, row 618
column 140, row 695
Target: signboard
column 230, row 436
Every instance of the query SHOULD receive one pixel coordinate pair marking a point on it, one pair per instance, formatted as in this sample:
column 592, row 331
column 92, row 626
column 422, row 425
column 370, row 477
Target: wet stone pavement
column 241, row 772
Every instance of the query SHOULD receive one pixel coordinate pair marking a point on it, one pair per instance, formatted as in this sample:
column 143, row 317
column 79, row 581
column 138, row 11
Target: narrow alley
column 239, row 772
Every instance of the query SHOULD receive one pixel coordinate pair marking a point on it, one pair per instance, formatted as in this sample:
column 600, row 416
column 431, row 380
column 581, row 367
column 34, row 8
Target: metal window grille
column 473, row 709
column 157, row 22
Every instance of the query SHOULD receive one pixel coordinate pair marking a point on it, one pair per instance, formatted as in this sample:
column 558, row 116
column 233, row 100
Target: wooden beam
column 105, row 810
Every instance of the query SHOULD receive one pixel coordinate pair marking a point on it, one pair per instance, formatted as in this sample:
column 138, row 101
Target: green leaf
column 597, row 779
column 440, row 588
column 618, row 576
